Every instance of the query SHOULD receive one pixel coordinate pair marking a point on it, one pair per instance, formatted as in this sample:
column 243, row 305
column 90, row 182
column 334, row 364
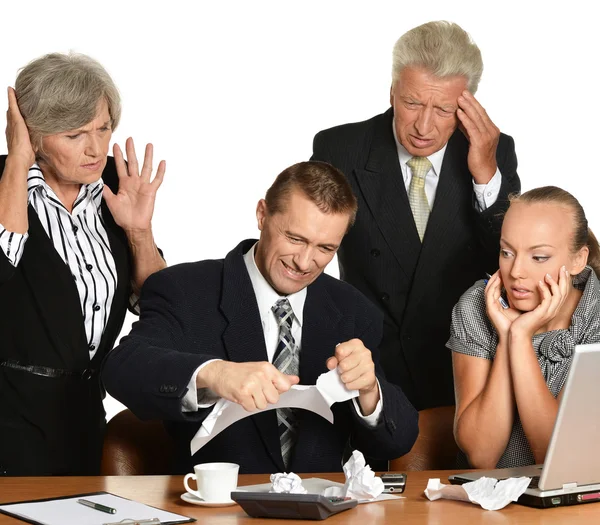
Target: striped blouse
column 81, row 240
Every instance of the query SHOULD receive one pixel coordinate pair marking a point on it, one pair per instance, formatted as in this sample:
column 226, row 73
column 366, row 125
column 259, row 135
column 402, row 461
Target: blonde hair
column 442, row 48
column 60, row 92
column 582, row 235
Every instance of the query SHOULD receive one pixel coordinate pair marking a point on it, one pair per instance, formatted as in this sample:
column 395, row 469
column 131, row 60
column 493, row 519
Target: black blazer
column 53, row 425
column 415, row 285
column 198, row 311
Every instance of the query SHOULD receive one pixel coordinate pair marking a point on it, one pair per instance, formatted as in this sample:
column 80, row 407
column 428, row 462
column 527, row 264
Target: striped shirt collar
column 88, row 193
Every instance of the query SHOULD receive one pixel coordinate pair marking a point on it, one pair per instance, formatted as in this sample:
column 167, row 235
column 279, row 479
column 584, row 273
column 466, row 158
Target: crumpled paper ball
column 361, row 482
column 283, row 482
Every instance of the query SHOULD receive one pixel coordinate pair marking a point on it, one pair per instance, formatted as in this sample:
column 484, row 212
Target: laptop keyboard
column 533, row 484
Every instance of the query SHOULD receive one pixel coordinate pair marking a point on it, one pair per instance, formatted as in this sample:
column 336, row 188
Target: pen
column 97, row 506
column 501, row 299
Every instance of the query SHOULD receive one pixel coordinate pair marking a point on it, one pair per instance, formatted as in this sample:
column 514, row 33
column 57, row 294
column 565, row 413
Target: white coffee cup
column 215, row 481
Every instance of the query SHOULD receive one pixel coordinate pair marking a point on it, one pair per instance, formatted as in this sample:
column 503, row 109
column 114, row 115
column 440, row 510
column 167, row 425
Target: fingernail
column 548, row 276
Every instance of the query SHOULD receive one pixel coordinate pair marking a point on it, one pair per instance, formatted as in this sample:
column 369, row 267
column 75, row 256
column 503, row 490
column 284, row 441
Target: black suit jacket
column 415, row 284
column 199, row 311
column 53, row 425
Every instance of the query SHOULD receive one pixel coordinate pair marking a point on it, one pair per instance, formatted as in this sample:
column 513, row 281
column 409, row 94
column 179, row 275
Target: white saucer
column 194, row 500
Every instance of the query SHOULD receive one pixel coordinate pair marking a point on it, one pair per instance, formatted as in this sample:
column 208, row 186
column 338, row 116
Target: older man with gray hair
column 432, row 175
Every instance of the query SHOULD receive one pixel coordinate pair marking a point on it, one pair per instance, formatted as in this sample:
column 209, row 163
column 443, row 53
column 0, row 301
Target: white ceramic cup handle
column 188, row 488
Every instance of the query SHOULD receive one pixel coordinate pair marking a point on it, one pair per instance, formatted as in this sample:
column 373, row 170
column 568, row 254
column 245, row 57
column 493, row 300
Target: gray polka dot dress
column 472, row 333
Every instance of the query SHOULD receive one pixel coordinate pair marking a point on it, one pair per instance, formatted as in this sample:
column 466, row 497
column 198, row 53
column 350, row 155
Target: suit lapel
column 48, row 278
column 320, row 333
column 455, row 181
column 120, row 252
column 244, row 337
column 383, row 188
column 116, row 236
column 448, row 193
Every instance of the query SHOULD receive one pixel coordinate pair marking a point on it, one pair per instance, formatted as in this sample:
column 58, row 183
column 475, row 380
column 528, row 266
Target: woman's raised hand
column 133, row 205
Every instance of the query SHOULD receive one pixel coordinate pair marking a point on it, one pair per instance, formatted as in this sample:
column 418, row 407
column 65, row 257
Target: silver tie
column 287, row 361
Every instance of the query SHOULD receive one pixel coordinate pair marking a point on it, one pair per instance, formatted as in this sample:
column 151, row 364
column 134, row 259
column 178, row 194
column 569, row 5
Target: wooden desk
column 164, row 492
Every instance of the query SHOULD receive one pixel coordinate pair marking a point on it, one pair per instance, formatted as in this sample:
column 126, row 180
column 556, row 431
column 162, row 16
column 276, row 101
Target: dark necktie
column 287, row 361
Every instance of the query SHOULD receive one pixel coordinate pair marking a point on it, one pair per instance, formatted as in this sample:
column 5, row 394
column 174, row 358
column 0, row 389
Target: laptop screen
column 572, row 455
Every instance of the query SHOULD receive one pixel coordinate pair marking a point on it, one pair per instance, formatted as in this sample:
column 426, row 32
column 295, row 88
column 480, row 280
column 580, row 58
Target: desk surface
column 165, row 491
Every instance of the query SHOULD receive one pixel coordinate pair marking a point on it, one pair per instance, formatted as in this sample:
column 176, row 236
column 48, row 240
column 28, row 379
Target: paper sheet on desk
column 66, row 511
column 319, row 486
column 316, row 398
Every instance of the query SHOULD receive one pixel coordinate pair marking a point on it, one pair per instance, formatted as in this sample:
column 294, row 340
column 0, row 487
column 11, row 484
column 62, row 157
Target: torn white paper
column 316, row 398
column 490, row 493
column 283, row 482
column 361, row 482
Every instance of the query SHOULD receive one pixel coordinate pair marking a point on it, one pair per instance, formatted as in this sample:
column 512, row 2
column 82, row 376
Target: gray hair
column 442, row 48
column 60, row 92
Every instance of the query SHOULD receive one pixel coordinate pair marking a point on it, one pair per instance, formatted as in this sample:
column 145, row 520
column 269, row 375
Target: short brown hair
column 323, row 184
column 582, row 234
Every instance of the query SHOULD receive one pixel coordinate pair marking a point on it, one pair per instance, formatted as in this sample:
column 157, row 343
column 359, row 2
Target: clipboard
column 64, row 510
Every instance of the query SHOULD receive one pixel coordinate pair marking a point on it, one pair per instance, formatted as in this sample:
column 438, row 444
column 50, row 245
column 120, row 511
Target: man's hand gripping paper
column 316, row 398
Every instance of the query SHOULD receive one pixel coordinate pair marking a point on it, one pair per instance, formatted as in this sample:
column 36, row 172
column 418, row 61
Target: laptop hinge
column 569, row 486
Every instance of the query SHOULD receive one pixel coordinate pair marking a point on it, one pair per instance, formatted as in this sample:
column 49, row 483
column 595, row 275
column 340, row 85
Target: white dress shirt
column 485, row 194
column 266, row 297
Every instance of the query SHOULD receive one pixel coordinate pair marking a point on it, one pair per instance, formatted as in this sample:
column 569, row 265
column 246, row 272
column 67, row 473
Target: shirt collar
column 35, row 179
column 88, row 192
column 266, row 297
column 404, row 156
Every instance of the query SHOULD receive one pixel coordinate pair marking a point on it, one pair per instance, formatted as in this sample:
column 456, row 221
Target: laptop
column 570, row 474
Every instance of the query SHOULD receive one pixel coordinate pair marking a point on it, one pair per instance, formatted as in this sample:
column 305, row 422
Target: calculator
column 292, row 506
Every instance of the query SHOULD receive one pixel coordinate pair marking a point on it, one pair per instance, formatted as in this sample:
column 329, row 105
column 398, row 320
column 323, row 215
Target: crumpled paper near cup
column 490, row 493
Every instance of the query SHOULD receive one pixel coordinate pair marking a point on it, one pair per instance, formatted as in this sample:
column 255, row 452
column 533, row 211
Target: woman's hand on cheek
column 553, row 295
column 502, row 318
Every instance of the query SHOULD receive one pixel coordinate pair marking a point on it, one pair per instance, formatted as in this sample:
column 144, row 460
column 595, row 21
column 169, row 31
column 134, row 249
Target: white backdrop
column 232, row 92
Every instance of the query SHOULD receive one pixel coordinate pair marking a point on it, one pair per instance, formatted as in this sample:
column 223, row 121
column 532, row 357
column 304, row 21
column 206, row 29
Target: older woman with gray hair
column 76, row 245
